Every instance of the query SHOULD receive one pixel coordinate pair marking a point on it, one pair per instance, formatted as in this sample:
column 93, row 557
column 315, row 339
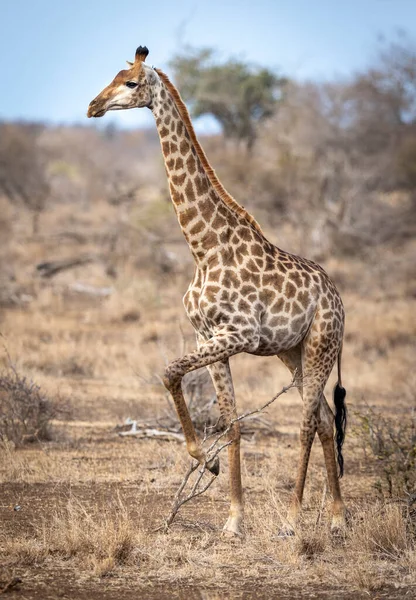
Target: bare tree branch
column 213, row 451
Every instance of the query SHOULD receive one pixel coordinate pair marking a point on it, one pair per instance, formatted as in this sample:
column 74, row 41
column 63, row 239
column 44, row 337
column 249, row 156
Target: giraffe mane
column 219, row 188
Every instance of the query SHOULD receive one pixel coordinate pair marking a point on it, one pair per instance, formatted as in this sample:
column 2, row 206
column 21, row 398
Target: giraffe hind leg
column 317, row 417
column 309, row 425
column 319, row 354
column 326, row 436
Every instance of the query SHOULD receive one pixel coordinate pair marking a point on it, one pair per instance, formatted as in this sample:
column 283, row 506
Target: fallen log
column 90, row 290
column 53, row 267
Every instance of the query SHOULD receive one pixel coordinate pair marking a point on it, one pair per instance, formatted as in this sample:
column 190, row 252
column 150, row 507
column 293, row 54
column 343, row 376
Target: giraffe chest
column 200, row 305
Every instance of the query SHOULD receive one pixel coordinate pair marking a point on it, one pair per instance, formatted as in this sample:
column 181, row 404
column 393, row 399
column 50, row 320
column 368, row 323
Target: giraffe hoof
column 339, row 524
column 232, row 535
column 214, row 466
column 232, row 528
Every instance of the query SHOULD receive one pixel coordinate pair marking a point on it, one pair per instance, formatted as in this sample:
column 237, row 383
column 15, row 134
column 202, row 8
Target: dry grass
column 91, row 501
column 115, row 540
column 382, row 531
column 98, row 541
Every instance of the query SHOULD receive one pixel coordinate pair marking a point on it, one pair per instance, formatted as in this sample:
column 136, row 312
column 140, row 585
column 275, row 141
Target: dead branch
column 53, row 267
column 153, row 433
column 90, row 290
column 212, row 453
column 179, row 500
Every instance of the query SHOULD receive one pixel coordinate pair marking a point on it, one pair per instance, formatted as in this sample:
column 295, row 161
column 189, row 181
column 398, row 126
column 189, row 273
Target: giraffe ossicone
column 247, row 295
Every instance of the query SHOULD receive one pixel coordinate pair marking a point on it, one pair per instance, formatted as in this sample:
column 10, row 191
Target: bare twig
column 90, row 290
column 293, row 383
column 212, row 453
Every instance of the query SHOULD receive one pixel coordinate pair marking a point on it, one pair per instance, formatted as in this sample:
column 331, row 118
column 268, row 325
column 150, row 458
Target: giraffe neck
column 204, row 217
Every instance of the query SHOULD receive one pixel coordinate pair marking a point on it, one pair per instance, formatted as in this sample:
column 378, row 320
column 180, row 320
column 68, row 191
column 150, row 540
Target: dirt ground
column 99, row 474
column 80, row 515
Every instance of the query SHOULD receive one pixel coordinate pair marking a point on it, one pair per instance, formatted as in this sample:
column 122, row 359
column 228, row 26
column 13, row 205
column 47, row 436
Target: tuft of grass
column 311, row 543
column 383, row 532
column 15, row 466
column 97, row 541
column 103, row 540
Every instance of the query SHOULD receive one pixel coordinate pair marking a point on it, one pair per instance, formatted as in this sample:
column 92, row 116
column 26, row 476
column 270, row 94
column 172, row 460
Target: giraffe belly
column 266, row 334
column 280, row 332
column 262, row 340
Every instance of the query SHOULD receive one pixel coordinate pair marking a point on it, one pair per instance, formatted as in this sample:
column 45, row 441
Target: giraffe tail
column 340, row 417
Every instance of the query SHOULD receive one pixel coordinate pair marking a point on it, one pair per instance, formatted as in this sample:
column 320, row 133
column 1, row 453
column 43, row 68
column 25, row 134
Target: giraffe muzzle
column 95, row 109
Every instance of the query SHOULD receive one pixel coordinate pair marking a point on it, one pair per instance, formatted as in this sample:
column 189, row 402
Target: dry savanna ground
column 80, row 514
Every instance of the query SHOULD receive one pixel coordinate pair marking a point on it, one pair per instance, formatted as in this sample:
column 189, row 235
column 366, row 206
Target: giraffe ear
column 141, row 54
column 129, row 64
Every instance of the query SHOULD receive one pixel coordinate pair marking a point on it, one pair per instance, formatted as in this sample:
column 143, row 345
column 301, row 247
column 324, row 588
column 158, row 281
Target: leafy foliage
column 237, row 95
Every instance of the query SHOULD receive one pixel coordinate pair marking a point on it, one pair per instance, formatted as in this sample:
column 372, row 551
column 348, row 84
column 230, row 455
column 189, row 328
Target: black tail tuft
column 340, row 423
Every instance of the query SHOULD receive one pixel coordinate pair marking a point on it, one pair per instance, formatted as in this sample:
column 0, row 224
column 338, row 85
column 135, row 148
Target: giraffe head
column 131, row 88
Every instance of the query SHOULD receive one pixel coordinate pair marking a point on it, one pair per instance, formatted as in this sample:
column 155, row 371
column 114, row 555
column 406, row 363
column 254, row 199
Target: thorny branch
column 213, row 452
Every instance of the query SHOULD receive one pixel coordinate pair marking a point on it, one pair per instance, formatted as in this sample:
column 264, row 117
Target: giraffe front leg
column 221, row 377
column 218, row 348
column 173, row 382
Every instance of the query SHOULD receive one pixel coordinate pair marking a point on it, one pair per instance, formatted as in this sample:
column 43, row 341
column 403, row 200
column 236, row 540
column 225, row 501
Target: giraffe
column 246, row 295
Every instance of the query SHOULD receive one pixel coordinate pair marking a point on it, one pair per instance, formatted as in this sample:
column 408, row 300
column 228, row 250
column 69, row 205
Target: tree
column 237, row 94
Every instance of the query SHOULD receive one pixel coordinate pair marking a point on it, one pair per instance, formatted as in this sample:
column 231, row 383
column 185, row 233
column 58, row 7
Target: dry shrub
column 25, row 411
column 71, row 366
column 392, row 443
column 6, row 255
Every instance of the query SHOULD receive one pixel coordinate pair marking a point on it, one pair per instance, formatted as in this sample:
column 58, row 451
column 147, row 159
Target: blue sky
column 56, row 55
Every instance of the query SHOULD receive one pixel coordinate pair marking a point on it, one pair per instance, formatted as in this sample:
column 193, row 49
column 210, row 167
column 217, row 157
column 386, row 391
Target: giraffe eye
column 131, row 84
